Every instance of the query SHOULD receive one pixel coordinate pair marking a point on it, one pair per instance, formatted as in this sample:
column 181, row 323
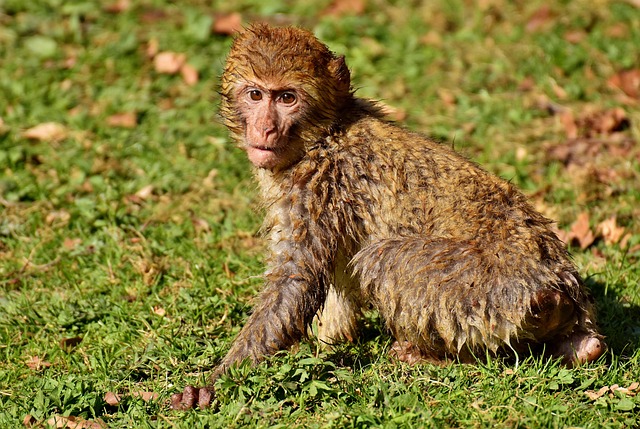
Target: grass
column 129, row 256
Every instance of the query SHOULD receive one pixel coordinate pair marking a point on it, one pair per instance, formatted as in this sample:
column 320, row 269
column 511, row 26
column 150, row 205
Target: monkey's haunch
column 361, row 213
column 452, row 294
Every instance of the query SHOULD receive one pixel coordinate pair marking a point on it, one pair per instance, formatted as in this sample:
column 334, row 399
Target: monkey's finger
column 185, row 400
column 205, row 395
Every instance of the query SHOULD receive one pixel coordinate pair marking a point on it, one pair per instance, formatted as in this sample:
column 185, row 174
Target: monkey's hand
column 191, row 397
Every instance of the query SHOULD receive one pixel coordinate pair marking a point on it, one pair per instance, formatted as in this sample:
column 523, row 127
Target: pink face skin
column 269, row 114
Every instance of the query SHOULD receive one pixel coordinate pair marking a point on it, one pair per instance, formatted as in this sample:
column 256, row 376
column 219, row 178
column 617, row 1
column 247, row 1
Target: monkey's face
column 269, row 113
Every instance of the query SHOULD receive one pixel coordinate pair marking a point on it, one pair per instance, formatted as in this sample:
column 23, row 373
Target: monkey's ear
column 340, row 72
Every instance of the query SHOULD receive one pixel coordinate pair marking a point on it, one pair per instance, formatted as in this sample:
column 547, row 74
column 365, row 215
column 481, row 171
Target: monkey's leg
column 456, row 297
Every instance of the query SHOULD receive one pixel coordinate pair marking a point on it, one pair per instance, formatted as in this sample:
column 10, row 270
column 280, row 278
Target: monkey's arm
column 281, row 317
column 295, row 289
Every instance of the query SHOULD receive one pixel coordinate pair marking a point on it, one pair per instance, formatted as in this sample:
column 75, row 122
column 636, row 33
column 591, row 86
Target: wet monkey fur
column 362, row 213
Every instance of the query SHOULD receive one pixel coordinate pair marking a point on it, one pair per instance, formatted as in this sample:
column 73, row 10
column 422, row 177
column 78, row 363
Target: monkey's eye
column 288, row 98
column 255, row 95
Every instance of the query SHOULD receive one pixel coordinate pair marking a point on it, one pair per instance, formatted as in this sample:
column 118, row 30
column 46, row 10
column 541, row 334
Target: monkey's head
column 282, row 89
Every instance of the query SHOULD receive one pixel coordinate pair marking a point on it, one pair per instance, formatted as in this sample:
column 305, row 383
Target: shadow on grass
column 618, row 320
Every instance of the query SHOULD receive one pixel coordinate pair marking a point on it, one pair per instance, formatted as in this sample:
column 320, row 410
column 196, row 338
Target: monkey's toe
column 190, row 397
column 580, row 348
column 408, row 352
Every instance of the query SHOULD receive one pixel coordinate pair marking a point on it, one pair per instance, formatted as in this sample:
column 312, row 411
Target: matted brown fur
column 369, row 214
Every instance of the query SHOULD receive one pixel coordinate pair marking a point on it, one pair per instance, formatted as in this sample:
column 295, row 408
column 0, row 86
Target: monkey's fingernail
column 204, row 398
column 176, row 399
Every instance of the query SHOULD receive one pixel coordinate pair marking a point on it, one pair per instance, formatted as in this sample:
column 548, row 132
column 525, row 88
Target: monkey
column 362, row 213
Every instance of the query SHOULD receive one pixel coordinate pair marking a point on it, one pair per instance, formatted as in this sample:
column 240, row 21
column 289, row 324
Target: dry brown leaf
column 71, row 243
column 189, row 74
column 152, row 48
column 602, row 122
column 169, row 62
column 159, row 311
column 118, row 6
column 432, row 38
column 593, row 395
column 569, row 124
column 610, row 231
column 145, row 192
column 36, row 363
column 446, row 96
column 123, row 120
column 29, row 421
column 628, row 81
column 618, row 30
column 559, row 91
column 540, row 18
column 611, row 390
column 61, row 217
column 345, row 7
column 200, row 224
column 48, row 131
column 581, row 232
column 112, row 398
column 72, row 422
column 227, row 24
column 575, row 36
column 527, row 84
column 145, row 396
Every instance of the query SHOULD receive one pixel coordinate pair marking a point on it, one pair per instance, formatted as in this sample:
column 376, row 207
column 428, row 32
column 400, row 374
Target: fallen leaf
column 628, row 81
column 189, row 74
column 540, row 18
column 48, row 131
column 527, row 84
column 610, row 231
column 28, row 421
column 112, row 399
column 36, row 363
column 145, row 192
column 159, row 311
column 123, row 120
column 60, row 217
column 575, row 36
column 345, row 7
column 569, row 124
column 118, row 6
column 618, row 30
column 169, row 62
column 145, row 396
column 611, row 390
column 152, row 48
column 602, row 122
column 446, row 97
column 227, row 24
column 593, row 395
column 581, row 232
column 558, row 90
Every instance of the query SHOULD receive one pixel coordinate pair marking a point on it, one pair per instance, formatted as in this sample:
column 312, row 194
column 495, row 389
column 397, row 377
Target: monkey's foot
column 580, row 348
column 407, row 352
column 192, row 397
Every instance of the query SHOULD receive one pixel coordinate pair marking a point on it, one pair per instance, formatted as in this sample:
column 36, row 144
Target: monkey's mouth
column 262, row 156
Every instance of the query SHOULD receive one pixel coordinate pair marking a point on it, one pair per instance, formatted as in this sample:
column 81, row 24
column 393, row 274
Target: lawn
column 129, row 246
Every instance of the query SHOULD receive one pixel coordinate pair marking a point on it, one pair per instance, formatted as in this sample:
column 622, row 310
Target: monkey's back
column 466, row 246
